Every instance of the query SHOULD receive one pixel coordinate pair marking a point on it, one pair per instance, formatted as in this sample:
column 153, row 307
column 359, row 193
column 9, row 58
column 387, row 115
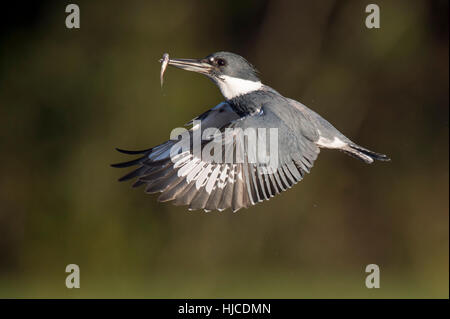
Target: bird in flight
column 181, row 175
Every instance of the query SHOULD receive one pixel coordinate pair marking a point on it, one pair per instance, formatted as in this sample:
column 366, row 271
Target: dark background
column 68, row 97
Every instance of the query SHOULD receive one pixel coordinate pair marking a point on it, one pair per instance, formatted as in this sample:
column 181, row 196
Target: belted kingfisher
column 208, row 185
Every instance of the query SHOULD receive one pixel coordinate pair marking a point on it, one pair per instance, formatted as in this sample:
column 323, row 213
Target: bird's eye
column 221, row 62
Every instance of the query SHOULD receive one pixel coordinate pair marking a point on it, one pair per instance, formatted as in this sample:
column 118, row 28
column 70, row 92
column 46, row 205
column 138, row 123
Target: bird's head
column 233, row 74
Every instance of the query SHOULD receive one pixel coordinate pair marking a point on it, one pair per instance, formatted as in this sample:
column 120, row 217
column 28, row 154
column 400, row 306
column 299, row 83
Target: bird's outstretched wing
column 240, row 181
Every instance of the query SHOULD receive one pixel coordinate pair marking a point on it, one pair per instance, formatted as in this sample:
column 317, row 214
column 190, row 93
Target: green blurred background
column 69, row 97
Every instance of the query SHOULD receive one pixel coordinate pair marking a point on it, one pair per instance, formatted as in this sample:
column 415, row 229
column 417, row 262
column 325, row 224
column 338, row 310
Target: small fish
column 164, row 62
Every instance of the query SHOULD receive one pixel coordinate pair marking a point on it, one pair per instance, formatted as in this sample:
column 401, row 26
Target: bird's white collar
column 232, row 87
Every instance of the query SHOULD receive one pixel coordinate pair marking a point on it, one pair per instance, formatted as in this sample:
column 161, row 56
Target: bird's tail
column 364, row 154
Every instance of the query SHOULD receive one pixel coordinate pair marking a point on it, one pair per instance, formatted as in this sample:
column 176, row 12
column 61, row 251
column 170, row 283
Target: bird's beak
column 199, row 66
